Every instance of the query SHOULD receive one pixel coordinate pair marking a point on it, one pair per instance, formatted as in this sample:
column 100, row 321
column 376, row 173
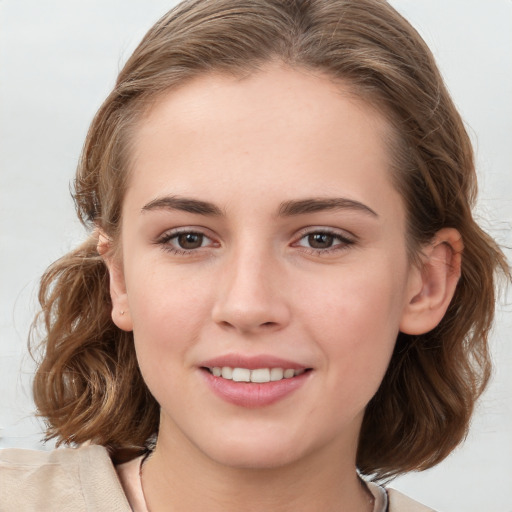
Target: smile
column 258, row 375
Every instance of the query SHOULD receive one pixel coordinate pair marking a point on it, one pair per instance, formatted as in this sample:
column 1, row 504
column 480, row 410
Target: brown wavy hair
column 88, row 385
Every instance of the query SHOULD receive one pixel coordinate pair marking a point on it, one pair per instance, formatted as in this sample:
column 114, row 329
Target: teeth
column 260, row 375
column 276, row 374
column 241, row 375
column 227, row 372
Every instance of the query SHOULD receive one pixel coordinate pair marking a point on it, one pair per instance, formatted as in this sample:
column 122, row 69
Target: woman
column 279, row 285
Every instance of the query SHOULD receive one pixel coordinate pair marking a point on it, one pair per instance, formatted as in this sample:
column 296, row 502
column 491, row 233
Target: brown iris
column 190, row 240
column 320, row 240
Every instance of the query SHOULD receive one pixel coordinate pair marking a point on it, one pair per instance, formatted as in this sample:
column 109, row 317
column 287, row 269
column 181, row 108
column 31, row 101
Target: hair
column 88, row 385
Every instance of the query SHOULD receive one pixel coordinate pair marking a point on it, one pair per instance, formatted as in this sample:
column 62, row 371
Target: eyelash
column 343, row 241
column 165, row 239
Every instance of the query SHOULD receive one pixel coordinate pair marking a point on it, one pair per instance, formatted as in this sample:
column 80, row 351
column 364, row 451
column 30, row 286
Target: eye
column 189, row 240
column 320, row 240
column 184, row 242
column 324, row 241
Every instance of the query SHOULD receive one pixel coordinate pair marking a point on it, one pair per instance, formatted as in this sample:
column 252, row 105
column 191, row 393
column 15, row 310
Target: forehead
column 277, row 129
column 261, row 97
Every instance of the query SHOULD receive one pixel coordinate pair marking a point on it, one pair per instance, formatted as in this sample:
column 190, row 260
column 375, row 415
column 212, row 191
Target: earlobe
column 433, row 285
column 120, row 306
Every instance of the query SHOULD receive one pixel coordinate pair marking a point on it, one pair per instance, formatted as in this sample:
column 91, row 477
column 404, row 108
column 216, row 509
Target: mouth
column 254, row 381
column 257, row 375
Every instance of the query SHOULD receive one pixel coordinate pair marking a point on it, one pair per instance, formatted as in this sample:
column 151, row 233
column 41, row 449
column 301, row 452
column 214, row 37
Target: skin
column 255, row 285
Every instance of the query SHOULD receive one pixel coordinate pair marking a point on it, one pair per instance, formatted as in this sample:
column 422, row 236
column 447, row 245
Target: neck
column 189, row 480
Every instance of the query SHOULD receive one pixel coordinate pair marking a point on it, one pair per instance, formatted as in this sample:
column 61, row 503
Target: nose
column 251, row 297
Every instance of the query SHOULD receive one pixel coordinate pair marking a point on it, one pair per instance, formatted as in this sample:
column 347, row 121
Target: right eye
column 184, row 242
column 189, row 240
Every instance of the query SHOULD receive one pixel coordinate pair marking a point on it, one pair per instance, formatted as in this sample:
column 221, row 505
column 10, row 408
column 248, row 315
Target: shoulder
column 398, row 502
column 77, row 479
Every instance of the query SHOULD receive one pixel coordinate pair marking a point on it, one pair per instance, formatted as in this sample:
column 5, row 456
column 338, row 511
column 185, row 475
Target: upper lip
column 251, row 362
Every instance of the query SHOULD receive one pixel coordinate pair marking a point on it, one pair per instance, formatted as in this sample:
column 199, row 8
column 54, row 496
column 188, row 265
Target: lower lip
column 251, row 394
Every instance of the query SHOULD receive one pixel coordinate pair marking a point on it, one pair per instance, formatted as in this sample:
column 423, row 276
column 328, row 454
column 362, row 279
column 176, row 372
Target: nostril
column 249, row 317
column 226, row 324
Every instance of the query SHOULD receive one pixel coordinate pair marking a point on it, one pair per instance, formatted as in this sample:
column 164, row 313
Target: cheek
column 168, row 312
column 357, row 302
column 166, row 324
column 355, row 321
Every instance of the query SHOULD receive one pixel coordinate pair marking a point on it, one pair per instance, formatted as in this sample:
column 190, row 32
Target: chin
column 239, row 456
column 260, row 446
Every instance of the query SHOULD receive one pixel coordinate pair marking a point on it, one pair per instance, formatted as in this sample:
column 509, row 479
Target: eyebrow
column 183, row 204
column 303, row 206
column 286, row 209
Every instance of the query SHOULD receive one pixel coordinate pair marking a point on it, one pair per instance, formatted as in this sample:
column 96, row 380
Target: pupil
column 320, row 240
column 190, row 240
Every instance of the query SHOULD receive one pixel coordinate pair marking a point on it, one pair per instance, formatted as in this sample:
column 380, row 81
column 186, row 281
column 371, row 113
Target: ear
column 120, row 306
column 431, row 287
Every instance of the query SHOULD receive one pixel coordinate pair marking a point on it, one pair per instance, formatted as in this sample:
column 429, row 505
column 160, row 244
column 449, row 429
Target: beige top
column 85, row 480
column 78, row 480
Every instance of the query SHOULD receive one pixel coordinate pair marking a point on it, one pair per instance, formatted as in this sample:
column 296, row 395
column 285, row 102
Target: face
column 262, row 240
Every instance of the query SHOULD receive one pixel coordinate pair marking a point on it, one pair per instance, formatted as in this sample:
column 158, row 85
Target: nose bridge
column 250, row 297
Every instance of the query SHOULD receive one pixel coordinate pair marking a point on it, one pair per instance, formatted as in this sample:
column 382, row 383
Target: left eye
column 323, row 240
column 320, row 240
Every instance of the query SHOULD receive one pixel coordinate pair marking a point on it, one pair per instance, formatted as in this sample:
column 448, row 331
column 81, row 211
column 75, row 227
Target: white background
column 59, row 59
